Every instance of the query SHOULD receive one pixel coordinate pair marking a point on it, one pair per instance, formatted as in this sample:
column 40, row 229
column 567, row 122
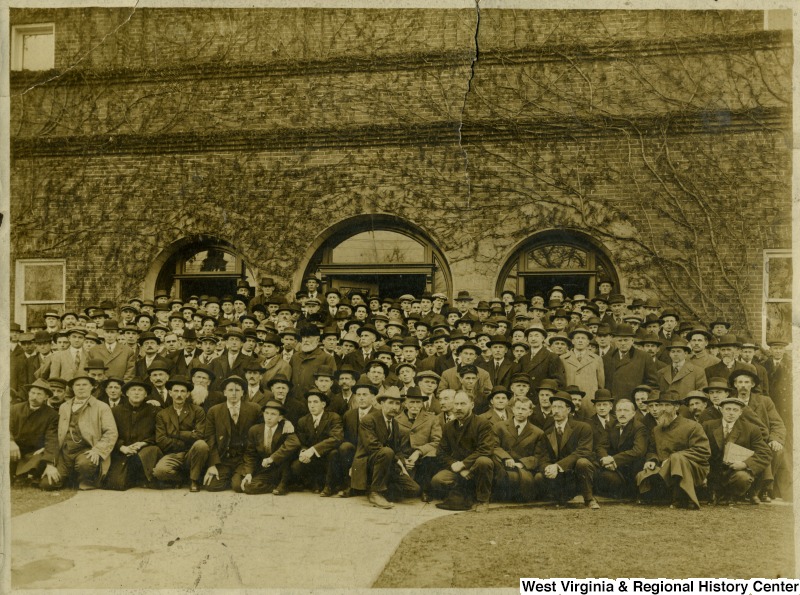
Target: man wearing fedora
column 70, row 362
column 677, row 458
column 363, row 401
column 424, row 435
column 625, row 449
column 515, row 454
column 698, row 339
column 379, row 464
column 227, row 425
column 540, row 363
column 135, row 453
column 732, row 476
column 33, row 432
column 186, row 357
column 584, row 369
column 232, row 361
column 625, row 368
column 307, row 360
column 320, row 434
column 681, row 376
column 463, row 303
column 271, row 446
column 565, row 456
column 179, row 435
column 468, row 353
column 499, row 366
column 87, row 434
column 117, row 356
column 266, row 287
column 357, row 359
column 729, row 347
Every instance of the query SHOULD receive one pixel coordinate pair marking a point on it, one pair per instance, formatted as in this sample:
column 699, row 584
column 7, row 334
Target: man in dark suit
column 465, row 451
column 357, row 359
column 565, row 456
column 34, row 432
column 515, row 454
column 271, row 446
column 320, row 433
column 731, row 478
column 500, row 365
column 231, row 361
column 186, row 358
column 24, row 364
column 364, row 394
column 729, row 347
column 626, row 447
column 117, row 357
column 379, row 465
column 179, row 435
column 227, row 425
column 779, row 372
column 626, row 368
column 540, row 363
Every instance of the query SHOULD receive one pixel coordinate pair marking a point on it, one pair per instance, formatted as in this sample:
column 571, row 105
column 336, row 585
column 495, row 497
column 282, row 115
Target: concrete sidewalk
column 145, row 539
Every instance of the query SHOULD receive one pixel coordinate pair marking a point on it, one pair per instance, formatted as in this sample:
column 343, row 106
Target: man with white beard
column 201, row 395
column 678, row 455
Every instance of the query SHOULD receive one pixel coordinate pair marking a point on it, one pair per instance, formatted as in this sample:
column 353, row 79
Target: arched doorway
column 558, row 257
column 380, row 255
column 199, row 265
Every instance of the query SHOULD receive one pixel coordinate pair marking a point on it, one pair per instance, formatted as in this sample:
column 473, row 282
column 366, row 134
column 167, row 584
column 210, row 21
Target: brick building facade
column 406, row 149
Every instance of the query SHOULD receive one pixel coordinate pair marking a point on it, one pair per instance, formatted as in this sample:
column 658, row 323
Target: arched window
column 381, row 257
column 206, row 266
column 564, row 258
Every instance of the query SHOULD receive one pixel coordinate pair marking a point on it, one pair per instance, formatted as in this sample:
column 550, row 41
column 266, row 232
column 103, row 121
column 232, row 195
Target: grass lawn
column 26, row 498
column 496, row 548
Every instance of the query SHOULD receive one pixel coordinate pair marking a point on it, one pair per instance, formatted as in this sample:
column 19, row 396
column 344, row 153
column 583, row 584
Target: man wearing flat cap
column 34, row 432
column 135, row 453
column 451, row 378
column 179, row 435
column 271, row 446
column 87, row 434
column 379, row 464
column 734, row 470
column 565, row 455
column 227, row 425
column 320, row 434
column 677, row 458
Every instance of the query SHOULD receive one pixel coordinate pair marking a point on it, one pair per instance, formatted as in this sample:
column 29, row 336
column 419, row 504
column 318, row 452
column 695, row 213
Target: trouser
column 127, row 471
column 424, row 470
column 347, row 452
column 565, row 485
column 732, row 484
column 479, row 482
column 513, row 484
column 266, row 480
column 615, row 484
column 319, row 472
column 386, row 475
column 228, row 476
column 172, row 468
column 69, row 462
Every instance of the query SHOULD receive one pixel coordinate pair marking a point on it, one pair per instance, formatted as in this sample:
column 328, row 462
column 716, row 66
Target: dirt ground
column 497, row 547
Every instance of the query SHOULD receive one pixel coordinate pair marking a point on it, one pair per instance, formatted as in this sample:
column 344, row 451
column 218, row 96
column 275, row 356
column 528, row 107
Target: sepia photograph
column 397, row 295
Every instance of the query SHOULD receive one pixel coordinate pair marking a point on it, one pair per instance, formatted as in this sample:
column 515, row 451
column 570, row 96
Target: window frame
column 18, row 33
column 20, row 303
column 770, row 254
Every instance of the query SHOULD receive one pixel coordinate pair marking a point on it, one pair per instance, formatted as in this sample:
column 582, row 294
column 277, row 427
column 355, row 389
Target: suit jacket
column 97, row 427
column 587, row 374
column 23, row 371
column 135, row 424
column 175, row 434
column 120, row 362
column 223, row 369
column 576, row 443
column 282, row 448
column 544, row 364
column 501, row 375
column 780, row 384
column 720, row 370
column 424, row 434
column 62, row 364
column 764, row 409
column 181, row 367
column 373, row 434
column 324, row 438
column 540, row 420
column 688, row 378
column 494, row 418
column 276, row 365
column 350, row 423
column 630, row 447
column 466, row 441
column 482, row 388
column 600, row 433
column 356, row 359
column 219, row 429
column 623, row 374
column 259, row 398
column 520, row 447
column 32, row 430
column 744, row 434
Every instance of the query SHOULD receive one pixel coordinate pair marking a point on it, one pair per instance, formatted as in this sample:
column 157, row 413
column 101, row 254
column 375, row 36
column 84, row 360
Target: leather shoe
column 481, row 507
column 766, row 498
column 326, row 492
column 194, row 487
column 87, row 485
column 593, row 504
column 345, row 493
column 281, row 490
column 378, row 500
column 426, row 497
column 755, row 500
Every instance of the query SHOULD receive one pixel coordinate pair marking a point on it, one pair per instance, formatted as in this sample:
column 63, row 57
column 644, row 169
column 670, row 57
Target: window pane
column 44, row 283
column 779, row 322
column 38, row 51
column 213, row 260
column 381, row 246
column 511, row 281
column 35, row 314
column 557, row 257
column 780, row 278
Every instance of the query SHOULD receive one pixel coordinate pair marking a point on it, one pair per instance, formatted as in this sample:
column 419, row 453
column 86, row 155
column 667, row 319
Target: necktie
column 726, row 431
column 389, row 427
column 235, row 416
column 675, row 370
column 559, row 434
column 268, row 442
column 316, row 423
column 519, row 429
column 77, row 361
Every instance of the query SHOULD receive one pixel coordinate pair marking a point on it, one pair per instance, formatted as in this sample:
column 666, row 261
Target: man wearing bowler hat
column 320, row 434
column 681, row 376
column 70, row 362
column 565, row 456
column 271, row 446
column 379, row 465
column 499, row 366
column 179, row 435
column 232, row 361
column 424, row 434
column 625, row 367
column 227, row 425
column 117, row 356
column 540, row 363
column 34, row 432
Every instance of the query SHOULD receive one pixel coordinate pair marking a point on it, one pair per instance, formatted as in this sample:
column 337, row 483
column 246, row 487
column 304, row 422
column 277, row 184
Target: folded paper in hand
column 736, row 454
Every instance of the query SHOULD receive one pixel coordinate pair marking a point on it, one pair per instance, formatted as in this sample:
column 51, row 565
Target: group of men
column 507, row 399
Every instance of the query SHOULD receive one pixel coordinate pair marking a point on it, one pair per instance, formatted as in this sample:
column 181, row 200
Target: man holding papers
column 739, row 453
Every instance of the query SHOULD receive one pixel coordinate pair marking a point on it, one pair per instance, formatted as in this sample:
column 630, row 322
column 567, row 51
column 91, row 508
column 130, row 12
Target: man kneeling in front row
column 270, row 449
